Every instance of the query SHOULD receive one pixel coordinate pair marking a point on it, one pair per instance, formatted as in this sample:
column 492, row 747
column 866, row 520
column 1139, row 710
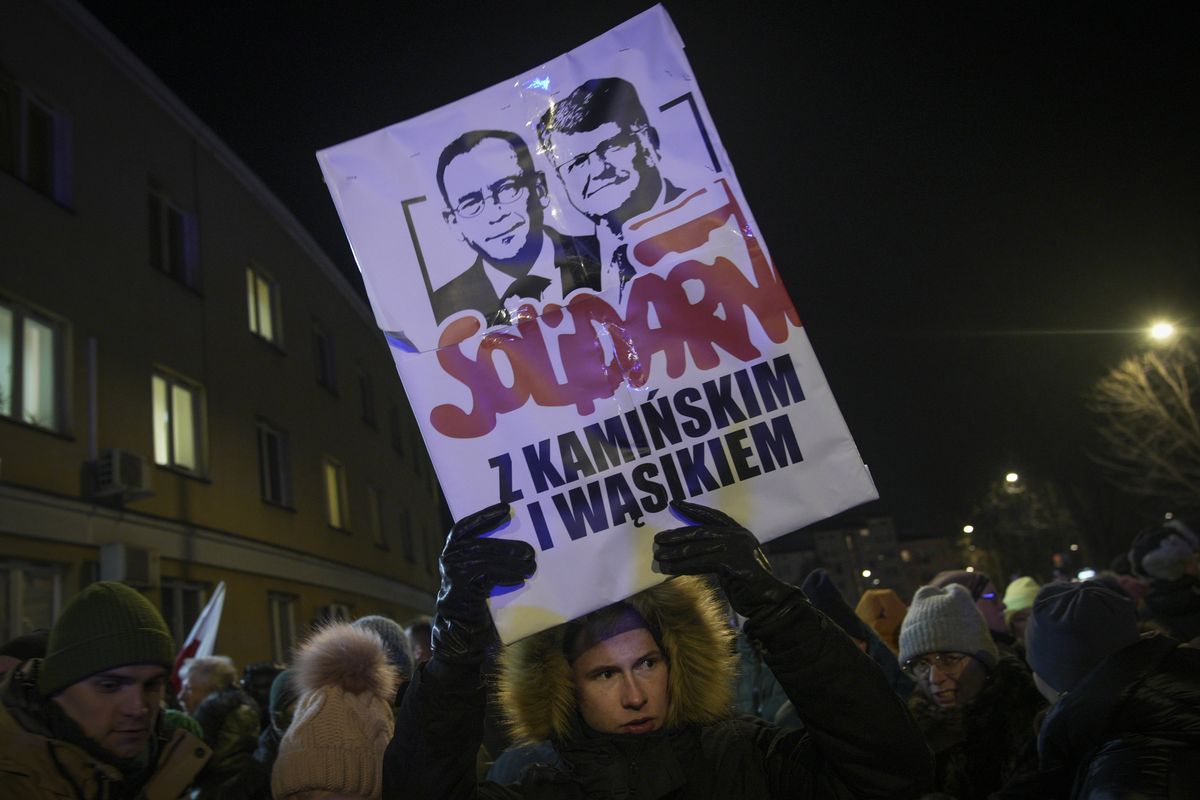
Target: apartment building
column 190, row 391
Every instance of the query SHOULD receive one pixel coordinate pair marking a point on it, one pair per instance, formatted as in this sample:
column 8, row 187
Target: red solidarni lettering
column 716, row 319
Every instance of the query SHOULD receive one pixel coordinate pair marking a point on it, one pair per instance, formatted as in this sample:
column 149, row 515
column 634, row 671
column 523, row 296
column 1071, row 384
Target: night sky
column 976, row 207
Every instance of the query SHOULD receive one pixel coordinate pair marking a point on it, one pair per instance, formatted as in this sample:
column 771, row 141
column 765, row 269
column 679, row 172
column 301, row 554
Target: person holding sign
column 605, row 152
column 636, row 697
column 495, row 203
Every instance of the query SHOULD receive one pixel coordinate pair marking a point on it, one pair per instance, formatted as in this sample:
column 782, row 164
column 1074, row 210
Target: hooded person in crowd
column 257, row 679
column 827, row 598
column 343, row 721
column 229, row 718
column 1166, row 557
column 975, row 706
column 84, row 721
column 987, row 598
column 636, row 697
column 1126, row 715
column 1018, row 605
column 884, row 611
column 23, row 648
column 418, row 633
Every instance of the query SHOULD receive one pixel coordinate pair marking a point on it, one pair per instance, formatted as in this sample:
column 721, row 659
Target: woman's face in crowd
column 951, row 680
column 1017, row 623
column 992, row 606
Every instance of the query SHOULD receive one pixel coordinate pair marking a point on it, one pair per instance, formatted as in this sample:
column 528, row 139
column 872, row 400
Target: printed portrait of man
column 605, row 152
column 495, row 203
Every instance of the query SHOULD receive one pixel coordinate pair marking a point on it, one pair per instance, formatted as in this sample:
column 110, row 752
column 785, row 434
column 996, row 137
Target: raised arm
column 440, row 723
column 859, row 731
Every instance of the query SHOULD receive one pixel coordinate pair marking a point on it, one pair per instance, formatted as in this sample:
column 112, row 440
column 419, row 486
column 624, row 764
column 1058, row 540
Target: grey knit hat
column 946, row 620
column 395, row 643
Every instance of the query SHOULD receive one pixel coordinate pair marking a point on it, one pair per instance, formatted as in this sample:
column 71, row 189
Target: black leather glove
column 718, row 545
column 471, row 566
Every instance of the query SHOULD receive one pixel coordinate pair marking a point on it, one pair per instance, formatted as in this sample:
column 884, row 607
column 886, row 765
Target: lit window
column 262, row 303
column 177, row 423
column 31, row 360
column 173, row 240
column 35, row 141
column 337, row 513
column 281, row 609
column 273, row 465
column 30, row 597
column 375, row 509
column 326, row 366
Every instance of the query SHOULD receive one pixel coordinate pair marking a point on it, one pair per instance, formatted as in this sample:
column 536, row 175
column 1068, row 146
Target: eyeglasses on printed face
column 947, row 664
column 507, row 191
column 615, row 145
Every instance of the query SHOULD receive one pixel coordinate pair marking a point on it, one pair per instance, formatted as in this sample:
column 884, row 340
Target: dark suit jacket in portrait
column 578, row 268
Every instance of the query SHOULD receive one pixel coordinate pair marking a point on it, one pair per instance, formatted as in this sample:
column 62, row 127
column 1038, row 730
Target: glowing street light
column 968, row 529
column 970, row 569
column 866, row 573
column 1012, row 477
column 1074, row 548
column 1162, row 331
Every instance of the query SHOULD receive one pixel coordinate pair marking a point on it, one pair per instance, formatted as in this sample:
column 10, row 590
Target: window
column 30, row 597
column 326, row 367
column 367, row 394
column 281, row 609
column 174, row 242
column 273, row 470
column 337, row 512
column 178, row 422
column 182, row 603
column 35, row 141
column 375, row 510
column 262, row 302
column 397, row 429
column 406, row 537
column 31, row 367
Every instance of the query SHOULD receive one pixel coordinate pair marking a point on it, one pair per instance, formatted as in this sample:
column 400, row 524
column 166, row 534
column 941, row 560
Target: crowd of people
column 721, row 682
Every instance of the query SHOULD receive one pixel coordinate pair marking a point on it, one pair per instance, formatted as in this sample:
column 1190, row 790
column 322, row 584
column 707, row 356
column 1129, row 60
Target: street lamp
column 1012, row 477
column 866, row 573
column 1162, row 331
column 968, row 529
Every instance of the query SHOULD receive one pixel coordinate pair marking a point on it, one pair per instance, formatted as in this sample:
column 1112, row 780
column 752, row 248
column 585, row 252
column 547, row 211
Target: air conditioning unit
column 120, row 472
column 136, row 566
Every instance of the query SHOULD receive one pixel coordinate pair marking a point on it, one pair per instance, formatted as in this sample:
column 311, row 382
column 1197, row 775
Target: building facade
column 190, row 391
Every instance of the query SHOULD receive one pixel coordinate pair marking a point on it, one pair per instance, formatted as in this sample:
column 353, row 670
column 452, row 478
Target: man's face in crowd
column 494, row 206
column 992, row 606
column 192, row 693
column 610, row 170
column 422, row 648
column 621, row 684
column 953, row 679
column 117, row 709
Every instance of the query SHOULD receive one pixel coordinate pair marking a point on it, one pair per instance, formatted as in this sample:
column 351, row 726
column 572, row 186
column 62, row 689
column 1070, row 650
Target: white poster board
column 587, row 321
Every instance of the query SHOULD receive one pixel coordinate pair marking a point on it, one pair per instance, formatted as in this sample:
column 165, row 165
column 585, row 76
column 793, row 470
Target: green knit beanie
column 107, row 625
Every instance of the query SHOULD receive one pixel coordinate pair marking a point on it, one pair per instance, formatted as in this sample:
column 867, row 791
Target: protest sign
column 587, row 321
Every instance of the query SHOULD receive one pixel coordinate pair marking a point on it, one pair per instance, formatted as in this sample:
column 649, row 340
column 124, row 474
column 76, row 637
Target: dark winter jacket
column 858, row 742
column 978, row 748
column 44, row 754
column 1175, row 606
column 1131, row 729
column 229, row 719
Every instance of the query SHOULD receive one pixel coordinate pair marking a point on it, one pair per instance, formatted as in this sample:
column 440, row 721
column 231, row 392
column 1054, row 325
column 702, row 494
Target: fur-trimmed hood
column 538, row 695
column 346, row 657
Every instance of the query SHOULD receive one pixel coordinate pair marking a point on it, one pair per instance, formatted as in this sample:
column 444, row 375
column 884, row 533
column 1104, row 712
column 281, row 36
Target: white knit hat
column 946, row 620
column 343, row 721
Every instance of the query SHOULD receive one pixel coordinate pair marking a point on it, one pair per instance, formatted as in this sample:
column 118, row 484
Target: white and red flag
column 203, row 638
